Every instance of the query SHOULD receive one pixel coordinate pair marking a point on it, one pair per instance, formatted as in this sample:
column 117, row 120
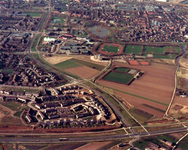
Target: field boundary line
column 137, row 96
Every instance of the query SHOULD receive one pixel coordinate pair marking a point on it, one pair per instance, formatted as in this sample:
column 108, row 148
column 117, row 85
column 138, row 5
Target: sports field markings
column 138, row 96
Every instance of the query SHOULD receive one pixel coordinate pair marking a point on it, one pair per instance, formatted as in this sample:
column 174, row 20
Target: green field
column 7, row 71
column 67, row 64
column 118, row 77
column 12, row 105
column 160, row 50
column 110, row 49
column 169, row 56
column 33, row 14
column 18, row 113
column 140, row 115
column 76, row 63
column 122, row 69
column 88, row 64
column 57, row 21
column 132, row 49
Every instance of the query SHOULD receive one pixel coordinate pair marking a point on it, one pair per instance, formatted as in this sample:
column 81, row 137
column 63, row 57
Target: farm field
column 71, row 63
column 132, row 49
column 118, row 77
column 80, row 68
column 146, row 90
column 83, row 71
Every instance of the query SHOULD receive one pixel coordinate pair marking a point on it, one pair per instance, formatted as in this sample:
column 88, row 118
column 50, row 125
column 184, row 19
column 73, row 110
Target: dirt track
column 156, row 84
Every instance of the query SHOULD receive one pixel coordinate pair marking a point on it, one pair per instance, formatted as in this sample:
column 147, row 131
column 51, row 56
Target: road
column 26, row 139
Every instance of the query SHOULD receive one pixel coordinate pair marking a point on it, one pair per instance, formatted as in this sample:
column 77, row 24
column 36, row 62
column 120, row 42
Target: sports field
column 120, row 69
column 132, row 49
column 108, row 48
column 160, row 50
column 118, row 77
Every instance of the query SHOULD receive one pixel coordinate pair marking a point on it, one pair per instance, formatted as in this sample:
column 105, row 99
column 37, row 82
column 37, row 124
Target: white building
column 48, row 39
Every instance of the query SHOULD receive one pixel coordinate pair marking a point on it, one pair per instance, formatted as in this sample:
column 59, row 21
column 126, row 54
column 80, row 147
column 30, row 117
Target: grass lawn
column 118, row 77
column 121, row 69
column 7, row 71
column 33, row 49
column 88, row 64
column 173, row 49
column 76, row 62
column 140, row 115
column 183, row 144
column 67, row 64
column 12, row 105
column 33, row 14
column 17, row 114
column 153, row 50
column 36, row 56
column 132, row 49
column 141, row 144
column 169, row 56
column 159, row 50
column 57, row 21
column 109, row 49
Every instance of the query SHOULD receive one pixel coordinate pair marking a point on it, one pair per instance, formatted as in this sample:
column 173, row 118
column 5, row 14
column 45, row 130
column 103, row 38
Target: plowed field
column 83, row 71
column 154, row 88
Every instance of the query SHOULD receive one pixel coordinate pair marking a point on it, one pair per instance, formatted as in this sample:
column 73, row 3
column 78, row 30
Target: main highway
column 42, row 139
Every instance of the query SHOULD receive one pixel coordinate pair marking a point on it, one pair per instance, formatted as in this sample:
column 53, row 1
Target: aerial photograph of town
column 93, row 75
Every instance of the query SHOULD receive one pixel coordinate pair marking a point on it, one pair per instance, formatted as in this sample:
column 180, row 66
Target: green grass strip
column 118, row 77
column 67, row 64
column 138, row 96
column 88, row 64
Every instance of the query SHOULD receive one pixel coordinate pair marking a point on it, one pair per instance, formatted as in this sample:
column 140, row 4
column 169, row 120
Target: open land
column 132, row 49
column 93, row 146
column 83, row 71
column 156, row 93
column 71, row 63
column 56, row 59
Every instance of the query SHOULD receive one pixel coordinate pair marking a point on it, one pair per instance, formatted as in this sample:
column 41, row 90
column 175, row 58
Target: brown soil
column 4, row 111
column 180, row 100
column 144, row 63
column 56, row 59
column 151, row 111
column 93, row 146
column 135, row 101
column 157, row 84
column 133, row 62
column 177, row 107
column 83, row 71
